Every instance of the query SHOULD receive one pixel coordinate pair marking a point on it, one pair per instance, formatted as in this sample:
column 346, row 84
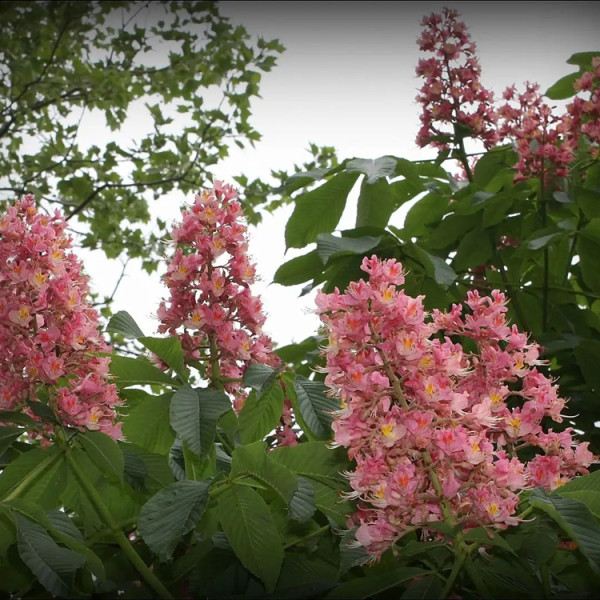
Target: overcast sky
column 347, row 80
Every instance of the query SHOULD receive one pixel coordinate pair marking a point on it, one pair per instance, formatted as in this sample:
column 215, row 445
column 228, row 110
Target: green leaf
column 53, row 566
column 574, row 518
column 583, row 59
column 544, row 240
column 587, row 354
column 351, row 553
column 299, row 269
column 252, row 533
column 365, row 587
column 315, row 460
column 302, row 504
column 169, row 350
column 375, row 204
column 425, row 211
column 329, row 246
column 194, row 414
column 261, row 413
column 104, row 452
column 373, row 169
column 36, row 476
column 585, row 488
column 587, row 497
column 254, row 460
column 7, row 436
column 435, row 267
column 145, row 470
column 318, row 211
column 63, row 529
column 172, row 513
column 474, row 249
column 328, row 501
column 315, row 406
column 137, row 371
column 588, row 250
column 492, row 163
column 590, row 482
column 563, row 88
column 148, row 426
column 122, row 322
column 259, row 376
column 17, row 417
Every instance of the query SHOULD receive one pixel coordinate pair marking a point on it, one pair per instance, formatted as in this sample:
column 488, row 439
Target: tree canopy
column 171, row 81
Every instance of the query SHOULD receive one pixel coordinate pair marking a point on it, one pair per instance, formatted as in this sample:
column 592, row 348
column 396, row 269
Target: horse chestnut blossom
column 537, row 132
column 211, row 308
column 435, row 409
column 452, row 94
column 51, row 349
column 582, row 118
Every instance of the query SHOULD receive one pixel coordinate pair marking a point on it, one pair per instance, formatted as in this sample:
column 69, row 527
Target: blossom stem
column 149, row 577
column 456, row 567
column 389, row 371
column 215, row 379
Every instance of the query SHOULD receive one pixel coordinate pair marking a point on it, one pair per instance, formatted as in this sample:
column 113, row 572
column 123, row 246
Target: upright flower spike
column 582, row 119
column 538, row 134
column 432, row 426
column 452, row 96
column 211, row 308
column 50, row 346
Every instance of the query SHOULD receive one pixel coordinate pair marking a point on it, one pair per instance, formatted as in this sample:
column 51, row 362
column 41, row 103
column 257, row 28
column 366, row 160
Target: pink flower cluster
column 452, row 93
column 437, row 427
column 50, row 346
column 538, row 133
column 583, row 115
column 211, row 308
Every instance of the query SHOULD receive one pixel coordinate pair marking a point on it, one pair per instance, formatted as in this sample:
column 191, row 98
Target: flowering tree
column 417, row 445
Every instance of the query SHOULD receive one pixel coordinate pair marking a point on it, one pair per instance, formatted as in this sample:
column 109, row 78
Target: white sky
column 347, row 80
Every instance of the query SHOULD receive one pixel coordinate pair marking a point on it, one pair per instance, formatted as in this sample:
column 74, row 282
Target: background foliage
column 66, row 64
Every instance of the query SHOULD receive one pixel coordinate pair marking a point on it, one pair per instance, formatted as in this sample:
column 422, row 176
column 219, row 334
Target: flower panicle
column 51, row 347
column 431, row 423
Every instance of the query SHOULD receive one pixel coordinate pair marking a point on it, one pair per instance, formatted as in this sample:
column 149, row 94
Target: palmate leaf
column 254, row 460
column 374, row 170
column 171, row 513
column 122, row 322
column 318, row 211
column 7, row 436
column 299, row 269
column 252, row 533
column 168, row 350
column 37, row 476
column 330, row 245
column 575, row 520
column 104, row 452
column 314, row 460
column 53, row 566
column 62, row 529
column 302, row 504
column 261, row 413
column 148, row 426
column 315, row 406
column 376, row 203
column 194, row 414
column 259, row 376
column 130, row 371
